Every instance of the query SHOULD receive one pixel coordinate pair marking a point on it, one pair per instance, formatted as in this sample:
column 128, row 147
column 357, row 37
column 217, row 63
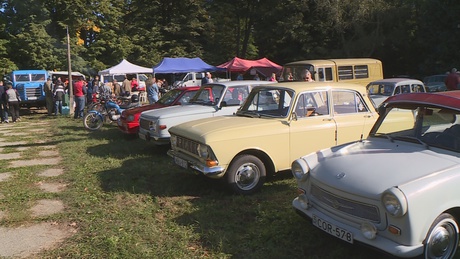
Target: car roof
column 397, row 80
column 449, row 99
column 240, row 82
column 304, row 86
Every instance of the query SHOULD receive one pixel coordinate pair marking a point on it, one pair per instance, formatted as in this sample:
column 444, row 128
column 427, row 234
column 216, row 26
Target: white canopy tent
column 119, row 71
column 125, row 67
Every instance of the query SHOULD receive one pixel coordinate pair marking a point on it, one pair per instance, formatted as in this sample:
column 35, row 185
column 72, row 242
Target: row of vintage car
column 388, row 179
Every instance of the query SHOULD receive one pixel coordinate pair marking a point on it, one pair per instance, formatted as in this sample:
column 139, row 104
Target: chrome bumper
column 212, row 172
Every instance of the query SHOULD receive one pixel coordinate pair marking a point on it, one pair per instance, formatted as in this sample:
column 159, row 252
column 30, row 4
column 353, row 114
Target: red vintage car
column 129, row 120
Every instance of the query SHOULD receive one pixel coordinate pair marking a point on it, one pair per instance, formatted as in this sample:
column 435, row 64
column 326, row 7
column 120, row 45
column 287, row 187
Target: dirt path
column 35, row 235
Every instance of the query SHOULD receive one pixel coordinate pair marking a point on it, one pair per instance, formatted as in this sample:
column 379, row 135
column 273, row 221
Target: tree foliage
column 414, row 37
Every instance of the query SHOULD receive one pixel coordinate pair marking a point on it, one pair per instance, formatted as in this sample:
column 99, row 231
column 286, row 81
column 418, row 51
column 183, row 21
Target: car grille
column 34, row 92
column 350, row 207
column 187, row 145
column 144, row 124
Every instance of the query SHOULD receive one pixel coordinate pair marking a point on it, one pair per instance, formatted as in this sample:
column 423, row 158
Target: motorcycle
column 107, row 110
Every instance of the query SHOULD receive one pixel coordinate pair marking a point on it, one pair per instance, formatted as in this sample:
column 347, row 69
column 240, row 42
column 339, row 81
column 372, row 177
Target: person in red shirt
column 452, row 80
column 134, row 84
column 79, row 92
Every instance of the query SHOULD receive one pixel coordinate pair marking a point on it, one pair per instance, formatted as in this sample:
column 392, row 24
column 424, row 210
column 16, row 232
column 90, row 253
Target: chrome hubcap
column 247, row 176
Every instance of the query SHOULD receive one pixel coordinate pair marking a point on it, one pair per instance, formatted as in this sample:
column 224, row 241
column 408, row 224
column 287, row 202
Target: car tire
column 442, row 239
column 246, row 174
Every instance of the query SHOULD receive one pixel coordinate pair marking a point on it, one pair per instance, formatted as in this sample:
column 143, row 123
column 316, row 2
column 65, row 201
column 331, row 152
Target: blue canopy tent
column 182, row 65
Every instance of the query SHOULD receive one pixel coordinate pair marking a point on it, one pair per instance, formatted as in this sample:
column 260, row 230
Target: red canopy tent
column 263, row 66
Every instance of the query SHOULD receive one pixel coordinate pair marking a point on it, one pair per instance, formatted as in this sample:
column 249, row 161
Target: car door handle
column 328, row 119
column 367, row 116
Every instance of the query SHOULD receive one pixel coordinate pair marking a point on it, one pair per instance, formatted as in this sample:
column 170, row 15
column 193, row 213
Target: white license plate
column 180, row 162
column 32, row 98
column 142, row 136
column 332, row 229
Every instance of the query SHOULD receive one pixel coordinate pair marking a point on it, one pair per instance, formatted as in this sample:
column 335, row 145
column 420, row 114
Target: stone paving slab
column 32, row 162
column 10, row 144
column 37, row 237
column 8, row 156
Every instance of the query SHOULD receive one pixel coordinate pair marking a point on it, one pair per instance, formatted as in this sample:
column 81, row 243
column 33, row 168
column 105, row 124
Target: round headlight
column 394, row 202
column 304, row 202
column 300, row 170
column 130, row 118
column 202, row 150
column 368, row 230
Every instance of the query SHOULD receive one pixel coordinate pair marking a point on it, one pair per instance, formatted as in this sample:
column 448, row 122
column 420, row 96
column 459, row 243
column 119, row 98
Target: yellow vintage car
column 277, row 124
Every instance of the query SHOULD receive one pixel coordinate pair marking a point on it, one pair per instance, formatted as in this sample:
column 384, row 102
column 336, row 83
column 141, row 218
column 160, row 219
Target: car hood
column 179, row 111
column 221, row 127
column 142, row 108
column 370, row 167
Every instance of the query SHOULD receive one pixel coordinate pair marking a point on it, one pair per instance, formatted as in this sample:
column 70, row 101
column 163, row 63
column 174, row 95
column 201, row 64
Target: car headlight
column 300, row 170
column 395, row 202
column 173, row 140
column 153, row 125
column 202, row 151
column 130, row 118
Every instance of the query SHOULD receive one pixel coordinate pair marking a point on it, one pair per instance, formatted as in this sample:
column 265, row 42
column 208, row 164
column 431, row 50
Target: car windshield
column 380, row 89
column 429, row 126
column 169, row 97
column 208, row 95
column 269, row 102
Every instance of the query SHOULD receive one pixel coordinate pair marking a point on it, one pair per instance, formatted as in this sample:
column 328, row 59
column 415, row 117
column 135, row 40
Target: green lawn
column 128, row 200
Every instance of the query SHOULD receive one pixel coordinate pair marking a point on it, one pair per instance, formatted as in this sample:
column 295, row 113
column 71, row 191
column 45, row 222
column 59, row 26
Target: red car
column 129, row 120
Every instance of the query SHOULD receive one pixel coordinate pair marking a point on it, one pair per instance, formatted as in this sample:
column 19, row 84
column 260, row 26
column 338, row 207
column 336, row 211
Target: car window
column 185, row 99
column 417, row 88
column 269, row 102
column 235, row 96
column 312, row 104
column 432, row 126
column 346, row 102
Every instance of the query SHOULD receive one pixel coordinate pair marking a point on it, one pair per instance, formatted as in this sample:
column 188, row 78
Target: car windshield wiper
column 197, row 101
column 378, row 135
column 250, row 114
column 413, row 138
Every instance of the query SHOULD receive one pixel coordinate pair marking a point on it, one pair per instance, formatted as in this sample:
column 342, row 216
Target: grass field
column 127, row 200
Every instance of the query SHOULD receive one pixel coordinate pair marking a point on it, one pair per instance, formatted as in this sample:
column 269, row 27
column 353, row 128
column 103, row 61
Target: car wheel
column 442, row 239
column 246, row 174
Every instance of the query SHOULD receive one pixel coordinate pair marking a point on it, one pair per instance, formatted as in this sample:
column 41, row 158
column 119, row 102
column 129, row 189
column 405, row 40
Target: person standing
column 134, row 85
column 116, row 88
column 49, row 96
column 126, row 87
column 152, row 91
column 79, row 91
column 96, row 84
column 272, row 78
column 452, row 80
column 13, row 99
column 3, row 104
column 58, row 92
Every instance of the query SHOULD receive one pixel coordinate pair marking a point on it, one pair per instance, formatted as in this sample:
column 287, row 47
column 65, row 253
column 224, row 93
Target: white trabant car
column 380, row 90
column 399, row 189
column 214, row 99
column 271, row 129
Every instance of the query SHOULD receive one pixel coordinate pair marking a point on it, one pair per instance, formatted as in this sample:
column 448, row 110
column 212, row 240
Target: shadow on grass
column 253, row 226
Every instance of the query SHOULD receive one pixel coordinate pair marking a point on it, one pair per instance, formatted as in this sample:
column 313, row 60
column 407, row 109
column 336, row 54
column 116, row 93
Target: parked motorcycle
column 107, row 110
